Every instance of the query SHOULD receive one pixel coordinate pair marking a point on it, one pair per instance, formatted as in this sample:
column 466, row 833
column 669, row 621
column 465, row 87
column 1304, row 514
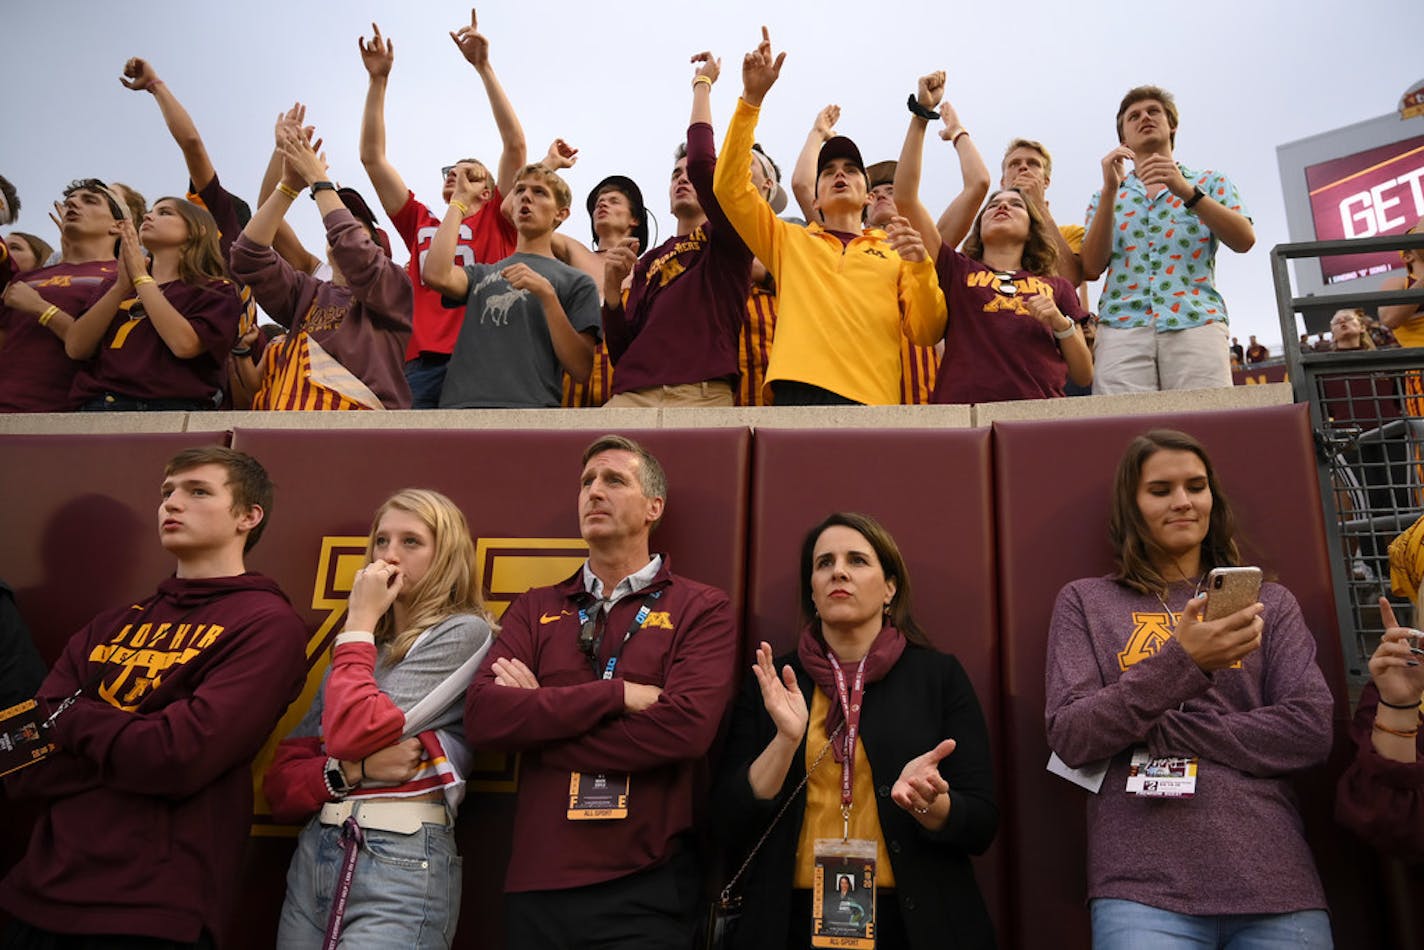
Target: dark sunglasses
column 1006, row 284
column 445, row 172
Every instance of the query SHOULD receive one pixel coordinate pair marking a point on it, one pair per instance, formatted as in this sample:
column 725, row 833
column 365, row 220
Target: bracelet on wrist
column 1066, row 332
column 464, row 208
column 1401, row 733
column 142, row 279
column 702, row 79
column 242, row 351
column 321, row 186
column 924, row 112
column 48, row 314
column 288, row 190
column 1413, row 705
column 954, row 139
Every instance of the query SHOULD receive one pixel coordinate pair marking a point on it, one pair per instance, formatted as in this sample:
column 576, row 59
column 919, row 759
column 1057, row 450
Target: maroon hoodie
column 150, row 794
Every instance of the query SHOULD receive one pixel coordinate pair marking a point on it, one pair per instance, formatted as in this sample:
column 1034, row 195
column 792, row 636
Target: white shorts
column 1138, row 359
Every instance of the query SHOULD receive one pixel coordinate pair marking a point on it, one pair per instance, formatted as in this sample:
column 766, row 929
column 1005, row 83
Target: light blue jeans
column 1128, row 925
column 405, row 892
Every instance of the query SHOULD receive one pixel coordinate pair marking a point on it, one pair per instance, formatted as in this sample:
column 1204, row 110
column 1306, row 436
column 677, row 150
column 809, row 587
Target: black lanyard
column 634, row 627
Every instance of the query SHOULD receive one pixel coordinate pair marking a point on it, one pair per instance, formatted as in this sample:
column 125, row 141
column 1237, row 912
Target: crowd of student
column 855, row 783
column 875, row 301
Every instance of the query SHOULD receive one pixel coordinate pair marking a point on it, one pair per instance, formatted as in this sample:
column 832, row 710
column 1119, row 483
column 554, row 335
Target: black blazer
column 925, row 698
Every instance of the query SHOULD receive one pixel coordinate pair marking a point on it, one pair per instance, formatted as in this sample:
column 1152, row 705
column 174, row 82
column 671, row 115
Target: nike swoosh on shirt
column 548, row 618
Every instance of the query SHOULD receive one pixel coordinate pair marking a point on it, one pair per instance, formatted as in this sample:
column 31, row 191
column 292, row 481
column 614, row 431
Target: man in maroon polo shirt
column 612, row 684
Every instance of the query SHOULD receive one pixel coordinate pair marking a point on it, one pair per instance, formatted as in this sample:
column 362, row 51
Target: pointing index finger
column 1387, row 613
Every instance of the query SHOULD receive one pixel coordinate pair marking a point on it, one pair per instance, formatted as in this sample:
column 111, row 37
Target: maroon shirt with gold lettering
column 35, row 372
column 133, row 360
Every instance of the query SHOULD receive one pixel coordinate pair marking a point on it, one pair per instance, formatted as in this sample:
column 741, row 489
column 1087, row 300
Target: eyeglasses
column 1006, row 285
column 445, row 172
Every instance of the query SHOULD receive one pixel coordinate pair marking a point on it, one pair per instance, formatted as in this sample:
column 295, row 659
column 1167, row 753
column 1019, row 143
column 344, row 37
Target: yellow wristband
column 464, row 208
column 141, row 280
column 287, row 190
column 48, row 315
column 706, row 79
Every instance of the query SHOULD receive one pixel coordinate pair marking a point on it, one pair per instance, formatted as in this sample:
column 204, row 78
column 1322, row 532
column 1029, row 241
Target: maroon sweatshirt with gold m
column 150, row 794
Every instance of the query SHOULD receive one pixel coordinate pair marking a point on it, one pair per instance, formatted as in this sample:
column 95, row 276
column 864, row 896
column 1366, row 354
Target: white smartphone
column 1229, row 589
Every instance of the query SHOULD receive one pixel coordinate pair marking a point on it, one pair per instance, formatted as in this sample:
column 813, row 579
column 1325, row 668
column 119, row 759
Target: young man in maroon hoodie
column 613, row 684
column 158, row 708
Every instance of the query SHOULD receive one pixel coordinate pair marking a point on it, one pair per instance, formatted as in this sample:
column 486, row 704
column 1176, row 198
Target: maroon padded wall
column 932, row 489
column 1053, row 482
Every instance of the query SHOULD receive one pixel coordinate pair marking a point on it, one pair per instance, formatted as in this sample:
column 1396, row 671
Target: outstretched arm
column 907, row 186
column 440, row 271
column 140, row 76
column 474, row 45
column 803, row 176
column 377, row 55
column 285, row 241
column 958, row 218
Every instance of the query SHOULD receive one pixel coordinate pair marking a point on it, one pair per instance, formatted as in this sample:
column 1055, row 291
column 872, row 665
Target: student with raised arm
column 159, row 339
column 919, row 365
column 1012, row 330
column 529, row 317
column 484, row 235
column 346, row 335
column 229, row 211
column 846, row 295
column 675, row 340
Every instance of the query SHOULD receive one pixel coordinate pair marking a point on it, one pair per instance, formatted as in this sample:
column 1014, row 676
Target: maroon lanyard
column 850, row 708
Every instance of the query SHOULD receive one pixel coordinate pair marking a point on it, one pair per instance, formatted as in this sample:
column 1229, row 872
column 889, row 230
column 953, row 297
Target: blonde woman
column 377, row 763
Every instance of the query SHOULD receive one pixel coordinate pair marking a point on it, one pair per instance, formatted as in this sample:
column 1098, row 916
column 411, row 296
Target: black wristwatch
column 1197, row 195
column 924, row 112
column 336, row 782
column 321, row 186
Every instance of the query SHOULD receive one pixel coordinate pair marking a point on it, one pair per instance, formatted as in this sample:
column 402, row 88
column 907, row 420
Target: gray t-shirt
column 504, row 357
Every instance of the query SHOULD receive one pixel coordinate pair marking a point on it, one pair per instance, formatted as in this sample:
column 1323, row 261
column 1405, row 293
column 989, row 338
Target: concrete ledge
column 1136, row 404
column 614, row 420
column 83, row 423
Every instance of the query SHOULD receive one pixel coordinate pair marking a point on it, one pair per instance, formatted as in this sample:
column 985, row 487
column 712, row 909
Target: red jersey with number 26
column 485, row 238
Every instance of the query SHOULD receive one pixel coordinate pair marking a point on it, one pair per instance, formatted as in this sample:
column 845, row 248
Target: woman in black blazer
column 917, row 794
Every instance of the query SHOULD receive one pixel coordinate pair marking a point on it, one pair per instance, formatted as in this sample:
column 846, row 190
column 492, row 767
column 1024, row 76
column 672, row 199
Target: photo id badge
column 604, row 795
column 22, row 739
column 843, row 898
column 1168, row 776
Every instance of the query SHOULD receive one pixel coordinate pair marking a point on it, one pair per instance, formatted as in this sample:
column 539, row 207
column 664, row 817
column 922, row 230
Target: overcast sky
column 613, row 78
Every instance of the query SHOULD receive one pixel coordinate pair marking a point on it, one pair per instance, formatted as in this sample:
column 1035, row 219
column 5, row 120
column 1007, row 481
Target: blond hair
column 448, row 588
column 1038, row 147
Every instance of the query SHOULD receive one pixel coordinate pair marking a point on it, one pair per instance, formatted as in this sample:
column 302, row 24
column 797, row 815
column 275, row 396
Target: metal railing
column 1367, row 414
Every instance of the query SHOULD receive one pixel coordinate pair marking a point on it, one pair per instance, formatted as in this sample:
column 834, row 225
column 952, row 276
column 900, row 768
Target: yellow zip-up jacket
column 841, row 311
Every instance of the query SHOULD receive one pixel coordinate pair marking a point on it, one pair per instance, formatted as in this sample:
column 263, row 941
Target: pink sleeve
column 358, row 718
column 295, row 785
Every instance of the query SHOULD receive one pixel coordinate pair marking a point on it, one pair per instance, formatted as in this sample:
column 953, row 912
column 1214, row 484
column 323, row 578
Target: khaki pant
column 1138, row 359
column 717, row 392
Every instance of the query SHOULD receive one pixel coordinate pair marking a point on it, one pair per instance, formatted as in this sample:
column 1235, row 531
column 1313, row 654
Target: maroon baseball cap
column 354, row 203
column 839, row 147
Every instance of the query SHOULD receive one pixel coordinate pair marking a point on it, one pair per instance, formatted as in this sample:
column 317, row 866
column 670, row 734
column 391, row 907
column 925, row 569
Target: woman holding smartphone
column 1193, row 836
column 376, row 764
